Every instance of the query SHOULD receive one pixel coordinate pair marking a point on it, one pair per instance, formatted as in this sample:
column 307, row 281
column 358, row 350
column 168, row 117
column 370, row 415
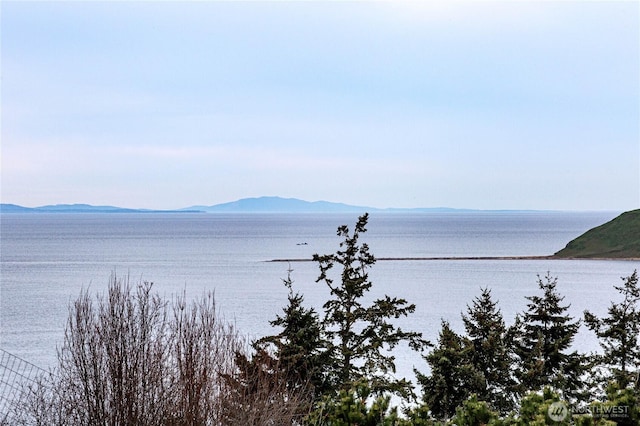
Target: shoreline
column 552, row 257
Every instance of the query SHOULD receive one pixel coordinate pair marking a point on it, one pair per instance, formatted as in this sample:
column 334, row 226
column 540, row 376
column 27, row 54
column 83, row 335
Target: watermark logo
column 558, row 411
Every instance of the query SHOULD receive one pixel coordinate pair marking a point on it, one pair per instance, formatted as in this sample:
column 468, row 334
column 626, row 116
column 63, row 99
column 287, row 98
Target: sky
column 465, row 104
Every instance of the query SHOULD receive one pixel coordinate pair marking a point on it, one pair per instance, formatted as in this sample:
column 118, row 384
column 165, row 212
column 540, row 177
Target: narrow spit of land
column 552, row 257
column 438, row 258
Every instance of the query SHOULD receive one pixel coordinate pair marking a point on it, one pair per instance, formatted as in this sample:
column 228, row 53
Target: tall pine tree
column 358, row 336
column 452, row 378
column 619, row 333
column 543, row 336
column 488, row 352
column 299, row 347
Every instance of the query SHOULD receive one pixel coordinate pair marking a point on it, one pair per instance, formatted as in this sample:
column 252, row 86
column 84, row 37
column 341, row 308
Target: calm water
column 46, row 259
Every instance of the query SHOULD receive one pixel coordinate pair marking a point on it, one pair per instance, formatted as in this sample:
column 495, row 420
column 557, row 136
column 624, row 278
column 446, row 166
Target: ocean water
column 46, row 259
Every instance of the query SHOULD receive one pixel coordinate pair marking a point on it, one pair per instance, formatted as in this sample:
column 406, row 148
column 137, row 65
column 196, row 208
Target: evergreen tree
column 618, row 334
column 299, row 347
column 284, row 369
column 488, row 352
column 452, row 377
column 542, row 337
column 356, row 334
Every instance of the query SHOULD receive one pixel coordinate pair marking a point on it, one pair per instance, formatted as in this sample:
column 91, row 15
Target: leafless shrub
column 113, row 366
column 132, row 358
column 203, row 350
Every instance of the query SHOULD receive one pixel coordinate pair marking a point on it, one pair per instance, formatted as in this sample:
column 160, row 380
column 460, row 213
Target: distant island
column 279, row 205
column 616, row 239
column 245, row 205
column 295, row 205
column 79, row 208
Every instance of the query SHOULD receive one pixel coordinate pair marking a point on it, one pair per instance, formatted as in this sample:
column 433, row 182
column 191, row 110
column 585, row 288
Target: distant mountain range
column 294, row 205
column 245, row 205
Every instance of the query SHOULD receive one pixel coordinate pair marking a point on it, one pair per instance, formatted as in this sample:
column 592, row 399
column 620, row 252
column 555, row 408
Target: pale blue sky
column 491, row 105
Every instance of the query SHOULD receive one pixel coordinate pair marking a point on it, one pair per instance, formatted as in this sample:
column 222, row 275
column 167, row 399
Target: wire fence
column 15, row 374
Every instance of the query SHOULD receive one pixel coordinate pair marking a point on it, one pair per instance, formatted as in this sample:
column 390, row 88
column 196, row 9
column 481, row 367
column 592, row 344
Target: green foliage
column 419, row 415
column 542, row 336
column 479, row 363
column 488, row 353
column 470, row 380
column 622, row 406
column 547, row 408
column 298, row 347
column 536, row 408
column 473, row 412
column 355, row 406
column 619, row 333
column 358, row 336
column 451, row 376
